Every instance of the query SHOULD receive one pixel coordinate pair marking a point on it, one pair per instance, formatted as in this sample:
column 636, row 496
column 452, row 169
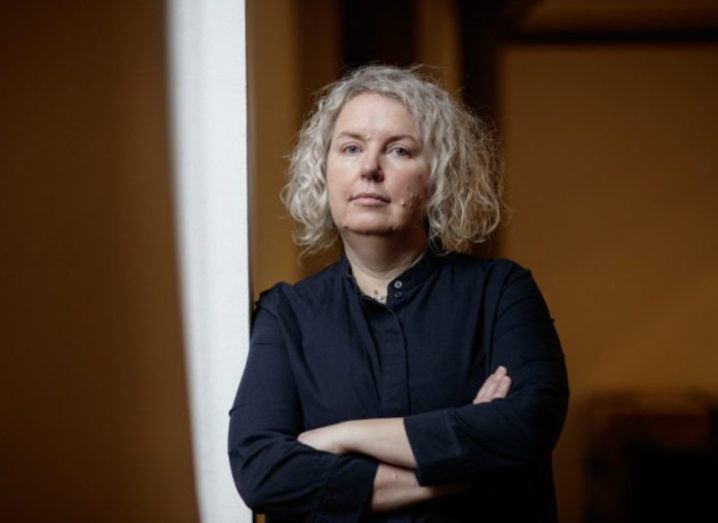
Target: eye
column 401, row 151
column 350, row 149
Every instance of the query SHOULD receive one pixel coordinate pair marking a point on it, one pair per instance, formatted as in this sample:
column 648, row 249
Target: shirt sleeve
column 460, row 444
column 274, row 473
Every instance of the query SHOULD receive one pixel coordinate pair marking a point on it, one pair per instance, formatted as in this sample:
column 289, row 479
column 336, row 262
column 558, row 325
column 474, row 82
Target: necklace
column 378, row 297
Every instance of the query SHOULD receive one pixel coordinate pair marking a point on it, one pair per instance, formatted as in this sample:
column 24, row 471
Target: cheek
column 333, row 184
column 413, row 195
column 334, row 198
column 336, row 178
column 333, row 201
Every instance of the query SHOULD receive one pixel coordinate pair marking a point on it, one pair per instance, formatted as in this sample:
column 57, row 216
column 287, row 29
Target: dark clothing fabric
column 321, row 352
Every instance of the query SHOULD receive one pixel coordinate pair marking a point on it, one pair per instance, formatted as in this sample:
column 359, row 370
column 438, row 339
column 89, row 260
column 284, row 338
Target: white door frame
column 207, row 83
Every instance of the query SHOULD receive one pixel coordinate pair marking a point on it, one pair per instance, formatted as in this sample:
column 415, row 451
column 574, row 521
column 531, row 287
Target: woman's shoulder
column 493, row 269
column 496, row 280
column 304, row 293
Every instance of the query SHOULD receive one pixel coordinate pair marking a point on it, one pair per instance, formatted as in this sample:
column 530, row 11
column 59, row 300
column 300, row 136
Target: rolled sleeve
column 459, row 444
column 274, row 473
column 348, row 489
column 438, row 452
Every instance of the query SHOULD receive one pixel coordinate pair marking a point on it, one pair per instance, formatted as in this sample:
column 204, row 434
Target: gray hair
column 465, row 180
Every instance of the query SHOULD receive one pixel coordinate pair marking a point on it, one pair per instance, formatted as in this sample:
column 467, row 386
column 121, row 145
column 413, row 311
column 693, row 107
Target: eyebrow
column 358, row 136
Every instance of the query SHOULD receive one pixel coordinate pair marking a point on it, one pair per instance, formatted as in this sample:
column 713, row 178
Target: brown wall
column 292, row 51
column 274, row 101
column 613, row 166
column 94, row 416
column 437, row 45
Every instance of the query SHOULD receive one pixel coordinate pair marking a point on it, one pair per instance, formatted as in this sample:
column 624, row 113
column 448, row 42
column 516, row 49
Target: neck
column 376, row 260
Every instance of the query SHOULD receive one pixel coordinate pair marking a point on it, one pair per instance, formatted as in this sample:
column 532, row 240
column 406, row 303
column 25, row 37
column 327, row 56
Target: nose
column 371, row 168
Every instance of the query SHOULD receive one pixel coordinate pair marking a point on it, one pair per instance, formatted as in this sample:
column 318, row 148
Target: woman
column 379, row 388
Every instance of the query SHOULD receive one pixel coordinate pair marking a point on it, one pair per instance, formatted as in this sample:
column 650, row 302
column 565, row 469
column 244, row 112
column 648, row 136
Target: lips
column 369, row 196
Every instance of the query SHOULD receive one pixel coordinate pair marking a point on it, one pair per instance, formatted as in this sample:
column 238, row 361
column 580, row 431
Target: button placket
column 394, row 392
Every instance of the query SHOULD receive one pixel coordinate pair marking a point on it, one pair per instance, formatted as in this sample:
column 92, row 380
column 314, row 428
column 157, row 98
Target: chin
column 369, row 229
column 373, row 231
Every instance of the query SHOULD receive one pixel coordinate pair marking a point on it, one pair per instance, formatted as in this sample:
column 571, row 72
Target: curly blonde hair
column 465, row 180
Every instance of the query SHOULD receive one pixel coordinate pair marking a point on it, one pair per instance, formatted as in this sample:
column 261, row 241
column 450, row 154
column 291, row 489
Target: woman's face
column 377, row 170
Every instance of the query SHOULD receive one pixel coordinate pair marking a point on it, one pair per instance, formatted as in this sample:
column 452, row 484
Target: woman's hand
column 496, row 386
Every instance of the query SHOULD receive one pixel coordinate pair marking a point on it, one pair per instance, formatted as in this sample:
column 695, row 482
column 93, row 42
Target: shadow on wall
column 651, row 457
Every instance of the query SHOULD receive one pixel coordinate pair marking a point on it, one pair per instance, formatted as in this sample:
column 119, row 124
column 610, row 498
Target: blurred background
column 608, row 116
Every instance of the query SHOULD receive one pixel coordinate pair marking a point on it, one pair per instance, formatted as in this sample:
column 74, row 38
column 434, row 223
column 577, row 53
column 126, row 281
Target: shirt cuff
column 439, row 454
column 346, row 493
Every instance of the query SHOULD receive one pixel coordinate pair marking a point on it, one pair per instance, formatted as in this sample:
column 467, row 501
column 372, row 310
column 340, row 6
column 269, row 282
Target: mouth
column 369, row 197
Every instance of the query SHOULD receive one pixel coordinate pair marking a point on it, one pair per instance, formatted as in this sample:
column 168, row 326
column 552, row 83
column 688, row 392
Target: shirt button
column 397, row 295
column 398, row 284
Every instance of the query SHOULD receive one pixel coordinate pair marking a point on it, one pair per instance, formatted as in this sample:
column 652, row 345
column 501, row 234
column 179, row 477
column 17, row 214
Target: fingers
column 488, row 389
column 496, row 386
column 502, row 389
column 485, row 391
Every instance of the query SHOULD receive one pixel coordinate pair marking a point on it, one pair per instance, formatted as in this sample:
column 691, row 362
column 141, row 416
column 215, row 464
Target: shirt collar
column 408, row 280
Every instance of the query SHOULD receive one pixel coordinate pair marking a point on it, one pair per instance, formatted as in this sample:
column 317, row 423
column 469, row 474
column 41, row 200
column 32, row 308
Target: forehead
column 375, row 112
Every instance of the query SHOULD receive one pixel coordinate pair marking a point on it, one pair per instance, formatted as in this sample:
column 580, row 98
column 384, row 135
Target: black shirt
column 321, row 352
